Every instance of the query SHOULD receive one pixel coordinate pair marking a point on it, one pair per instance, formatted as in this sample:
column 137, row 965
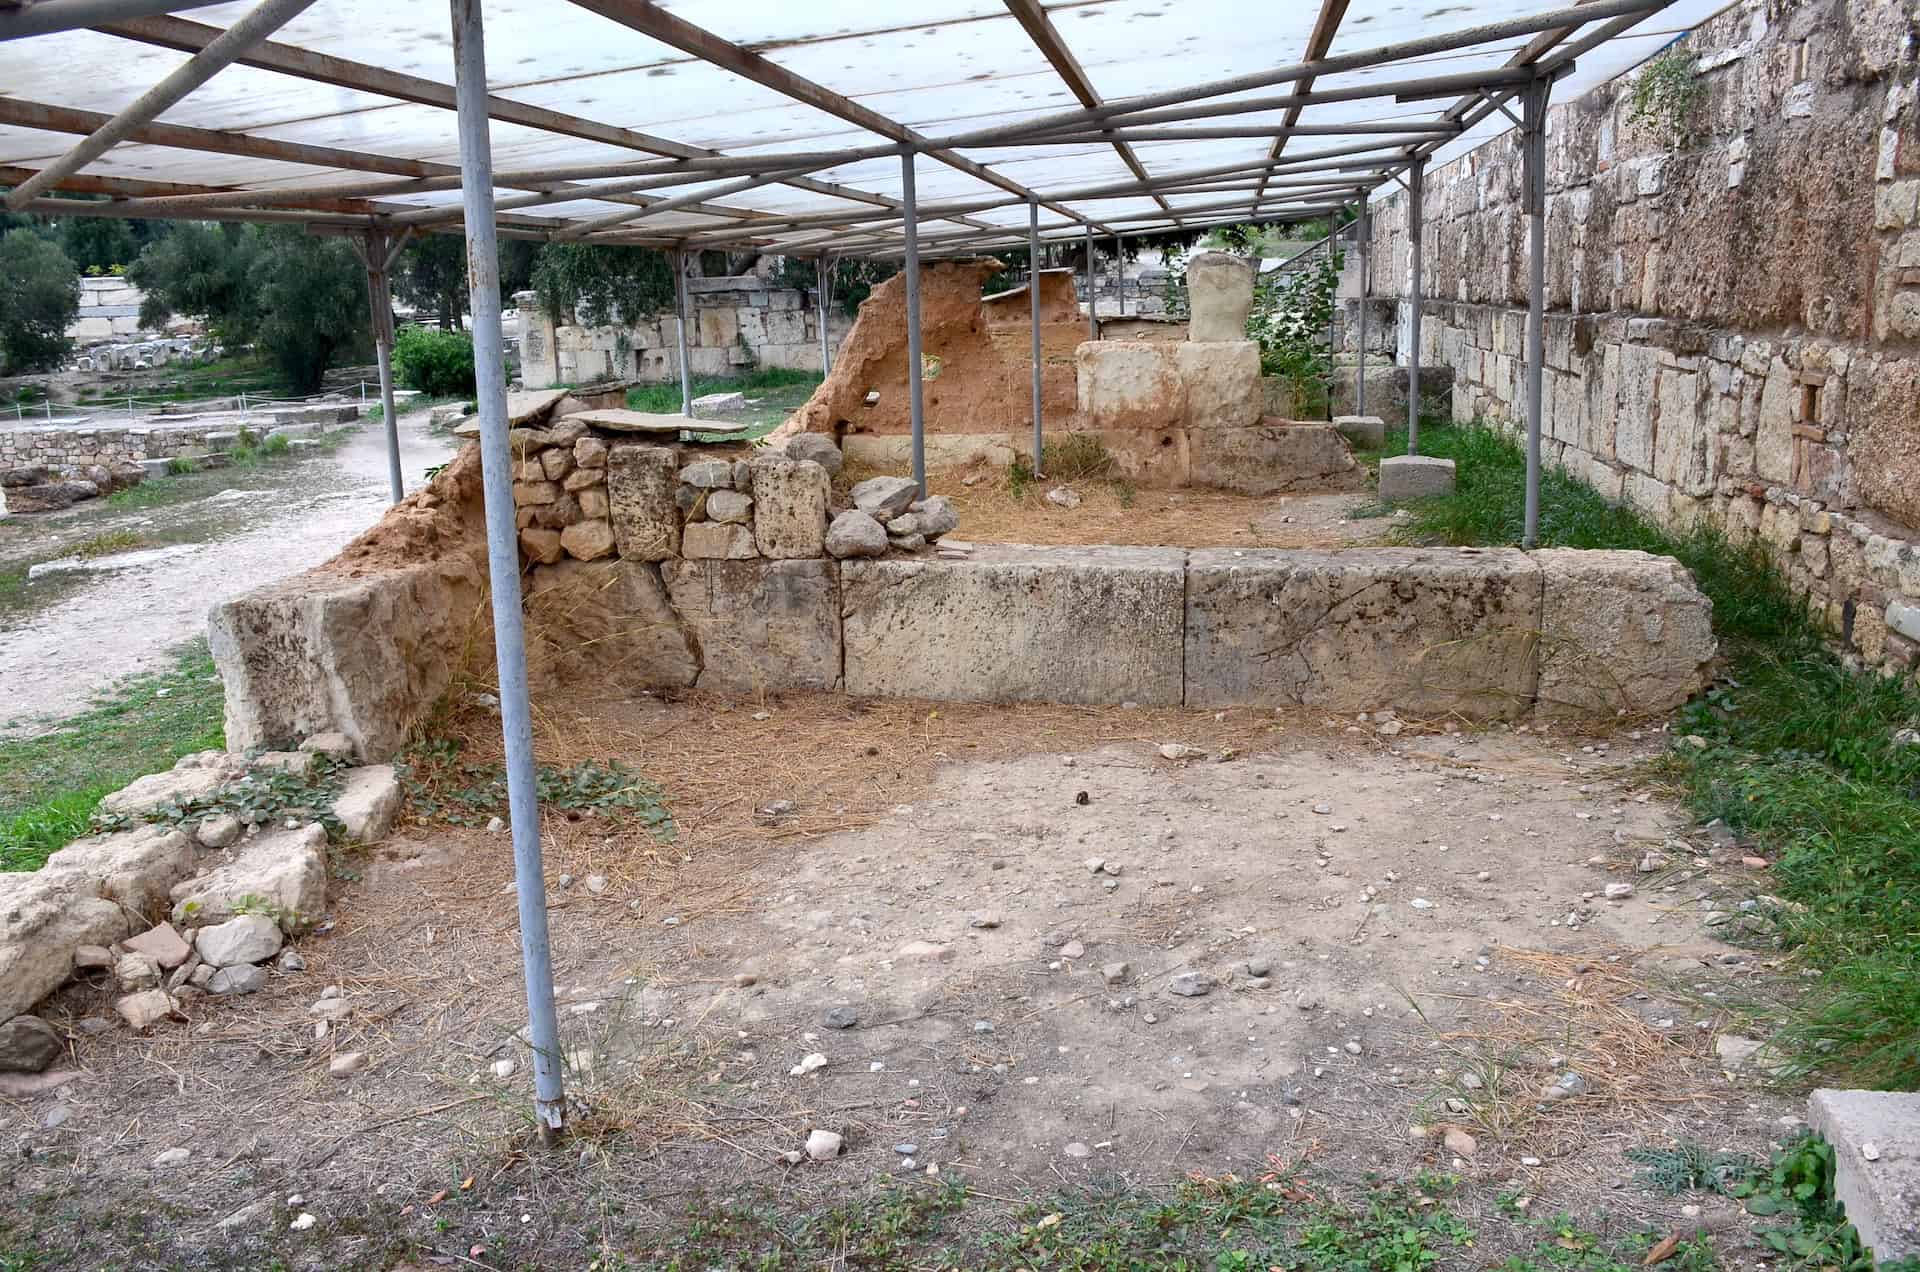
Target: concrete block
column 1272, row 459
column 760, row 626
column 1426, row 631
column 642, row 482
column 1620, row 631
column 1904, row 617
column 1414, row 477
column 1881, row 1196
column 1065, row 624
column 1368, row 432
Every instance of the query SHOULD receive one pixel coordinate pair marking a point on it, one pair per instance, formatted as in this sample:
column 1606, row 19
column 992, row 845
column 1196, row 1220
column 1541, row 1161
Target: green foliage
column 438, row 363
column 105, row 244
column 431, row 274
column 444, row 787
column 50, row 782
column 1292, row 313
column 854, row 281
column 39, row 295
column 1798, row 1187
column 262, row 798
column 1690, row 1166
column 1801, row 760
column 599, row 285
column 199, row 270
column 1667, row 92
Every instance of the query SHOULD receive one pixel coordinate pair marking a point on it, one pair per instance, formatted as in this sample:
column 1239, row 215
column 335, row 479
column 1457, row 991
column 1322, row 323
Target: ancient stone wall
column 80, row 447
column 1733, row 327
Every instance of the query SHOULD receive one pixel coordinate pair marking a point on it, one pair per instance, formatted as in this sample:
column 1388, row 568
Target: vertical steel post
column 680, row 315
column 1119, row 279
column 820, row 297
column 1533, row 137
column 1093, row 323
column 1333, row 312
column 1362, row 231
column 916, row 391
column 503, row 559
column 378, row 257
column 1033, row 309
column 1416, row 228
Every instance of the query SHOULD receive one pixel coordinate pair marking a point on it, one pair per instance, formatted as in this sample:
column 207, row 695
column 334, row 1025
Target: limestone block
column 708, row 474
column 1415, row 477
column 714, row 541
column 1065, row 624
column 1219, row 296
column 817, row 447
column 191, row 777
column 368, row 802
column 541, row 546
column 1130, row 384
column 1425, row 631
column 642, row 482
column 1368, row 432
column 730, row 506
column 1878, row 1192
column 1272, row 459
column 282, row 874
column 532, row 493
column 608, row 622
column 1221, row 383
column 1620, row 631
column 760, row 625
column 588, row 540
column 243, row 939
column 584, row 479
column 789, row 507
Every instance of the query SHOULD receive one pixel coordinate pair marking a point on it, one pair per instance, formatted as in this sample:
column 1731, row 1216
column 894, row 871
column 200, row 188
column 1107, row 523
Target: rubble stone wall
column 1733, row 329
column 81, row 447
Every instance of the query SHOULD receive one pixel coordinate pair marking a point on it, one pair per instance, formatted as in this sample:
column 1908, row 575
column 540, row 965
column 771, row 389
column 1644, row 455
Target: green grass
column 782, row 390
column 50, row 783
column 242, row 373
column 1801, row 758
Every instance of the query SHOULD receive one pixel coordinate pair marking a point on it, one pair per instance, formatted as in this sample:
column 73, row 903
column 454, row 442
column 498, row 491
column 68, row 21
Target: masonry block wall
column 1733, row 328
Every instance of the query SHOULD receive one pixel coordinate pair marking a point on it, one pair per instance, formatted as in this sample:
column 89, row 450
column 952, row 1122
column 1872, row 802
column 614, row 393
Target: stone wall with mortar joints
column 1733, row 329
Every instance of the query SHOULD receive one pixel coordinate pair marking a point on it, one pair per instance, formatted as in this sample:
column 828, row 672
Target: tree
column 431, row 274
column 98, row 243
column 39, row 295
column 598, row 284
column 311, row 300
column 200, row 270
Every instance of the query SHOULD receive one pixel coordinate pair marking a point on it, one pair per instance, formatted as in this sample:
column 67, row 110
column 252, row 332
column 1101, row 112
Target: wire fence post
column 680, row 315
column 503, row 561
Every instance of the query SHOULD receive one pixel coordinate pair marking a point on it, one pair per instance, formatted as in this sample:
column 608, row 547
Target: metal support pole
column 1333, row 312
column 377, row 255
column 503, row 560
column 680, row 314
column 916, row 391
column 1119, row 279
column 1033, row 310
column 823, row 272
column 1533, row 138
column 1416, row 227
column 1362, row 228
column 1093, row 323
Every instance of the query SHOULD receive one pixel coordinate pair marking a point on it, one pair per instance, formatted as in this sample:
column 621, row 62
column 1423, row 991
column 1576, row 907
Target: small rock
column 1353, row 1047
column 245, row 938
column 336, row 746
column 1421, row 903
column 983, row 1026
column 290, row 961
column 495, row 825
column 1458, row 1142
column 144, row 1010
column 1619, row 891
column 504, row 1068
column 906, row 1150
column 89, row 958
column 596, row 884
column 172, row 1157
column 220, row 831
column 1077, row 1149
column 29, row 1044
column 1116, row 973
column 840, row 1018
column 237, row 980
column 1567, row 1085
column 924, row 952
column 985, row 919
column 1190, row 984
column 302, row 1221
column 884, row 498
column 136, row 972
column 1181, row 751
column 1064, row 497
column 855, row 534
column 744, row 980
column 1258, row 966
column 162, row 944
column 823, row 1145
column 1073, row 949
column 1324, row 810
column 1754, row 863
column 347, row 1063
column 1870, row 1150
column 808, row 1064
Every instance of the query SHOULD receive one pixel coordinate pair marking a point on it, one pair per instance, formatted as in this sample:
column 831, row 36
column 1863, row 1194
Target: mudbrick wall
column 1733, row 329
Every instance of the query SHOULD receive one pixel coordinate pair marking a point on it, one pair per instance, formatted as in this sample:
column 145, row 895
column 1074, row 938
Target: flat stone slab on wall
column 1427, row 631
column 1070, row 624
column 1881, row 1196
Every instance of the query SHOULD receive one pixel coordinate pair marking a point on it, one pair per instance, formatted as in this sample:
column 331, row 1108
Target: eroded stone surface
column 1219, row 296
column 790, row 507
column 609, row 621
column 642, row 482
column 1881, row 1196
column 1621, row 631
column 282, row 874
column 1069, row 624
column 1272, row 459
column 369, row 800
column 760, row 625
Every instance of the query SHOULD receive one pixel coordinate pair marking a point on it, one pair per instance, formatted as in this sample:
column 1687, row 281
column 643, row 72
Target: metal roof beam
column 49, row 16
column 1318, row 45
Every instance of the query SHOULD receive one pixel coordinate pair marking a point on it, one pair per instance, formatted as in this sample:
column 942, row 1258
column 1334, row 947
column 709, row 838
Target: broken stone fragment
column 541, row 546
column 29, row 1044
column 590, row 452
column 584, row 479
column 885, row 497
column 907, row 542
column 823, row 1145
column 368, row 802
column 708, row 474
column 855, row 534
column 587, row 540
column 282, row 873
column 1190, row 984
column 937, row 516
column 162, row 944
column 712, row 541
column 292, row 763
column 245, row 979
column 146, row 1009
column 192, row 777
column 729, row 506
column 136, row 972
column 817, row 447
column 247, row 938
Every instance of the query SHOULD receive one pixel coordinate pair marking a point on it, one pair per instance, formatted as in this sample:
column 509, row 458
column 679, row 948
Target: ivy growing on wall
column 1667, row 93
column 597, row 284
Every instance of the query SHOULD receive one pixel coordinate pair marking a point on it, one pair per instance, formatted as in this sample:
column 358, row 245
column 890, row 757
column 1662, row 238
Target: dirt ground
column 96, row 627
column 1425, row 911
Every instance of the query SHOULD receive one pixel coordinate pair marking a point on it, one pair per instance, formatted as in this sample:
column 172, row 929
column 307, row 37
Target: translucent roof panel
column 581, row 85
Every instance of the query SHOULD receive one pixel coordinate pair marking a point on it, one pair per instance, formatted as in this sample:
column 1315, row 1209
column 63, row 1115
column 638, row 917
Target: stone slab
column 1012, row 623
column 1272, row 459
column 1881, row 1197
column 1425, row 631
column 648, row 423
column 759, row 626
column 1368, row 432
column 789, row 507
column 1620, row 631
column 608, row 623
column 1415, row 477
column 642, row 484
column 282, row 874
column 1221, row 382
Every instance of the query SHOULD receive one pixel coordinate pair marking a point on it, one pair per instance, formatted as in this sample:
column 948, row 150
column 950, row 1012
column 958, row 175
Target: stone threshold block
column 1876, row 1155
column 1425, row 631
column 1414, row 477
column 1096, row 625
column 1273, row 458
column 1368, row 432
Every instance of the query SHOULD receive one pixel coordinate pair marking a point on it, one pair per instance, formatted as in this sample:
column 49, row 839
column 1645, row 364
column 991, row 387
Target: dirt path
column 118, row 621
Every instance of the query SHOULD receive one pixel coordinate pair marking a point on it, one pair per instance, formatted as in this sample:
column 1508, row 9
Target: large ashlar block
column 1415, row 477
column 327, row 652
column 1219, row 296
column 760, row 626
column 1222, row 382
column 642, row 482
column 1620, row 631
column 1066, row 624
column 1139, row 384
column 789, row 507
column 605, row 623
column 1423, row 631
column 1272, row 459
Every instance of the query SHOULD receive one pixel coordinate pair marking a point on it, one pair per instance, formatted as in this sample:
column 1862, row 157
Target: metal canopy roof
column 778, row 125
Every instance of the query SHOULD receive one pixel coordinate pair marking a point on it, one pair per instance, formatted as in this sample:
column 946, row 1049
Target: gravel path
column 115, row 622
